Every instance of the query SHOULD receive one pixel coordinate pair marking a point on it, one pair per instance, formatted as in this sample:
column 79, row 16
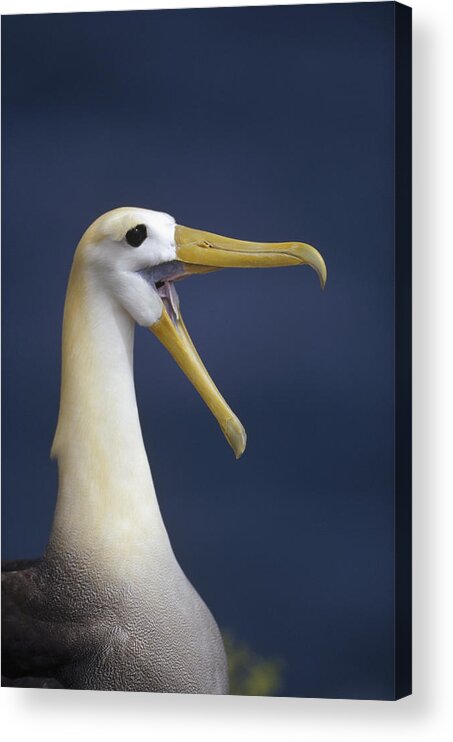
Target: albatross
column 108, row 607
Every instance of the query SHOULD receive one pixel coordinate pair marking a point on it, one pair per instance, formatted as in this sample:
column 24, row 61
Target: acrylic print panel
column 275, row 124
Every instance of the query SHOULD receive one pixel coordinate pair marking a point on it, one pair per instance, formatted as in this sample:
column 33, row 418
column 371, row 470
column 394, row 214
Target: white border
column 48, row 715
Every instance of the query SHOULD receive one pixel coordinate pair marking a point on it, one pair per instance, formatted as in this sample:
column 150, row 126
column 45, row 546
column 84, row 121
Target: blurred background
column 272, row 123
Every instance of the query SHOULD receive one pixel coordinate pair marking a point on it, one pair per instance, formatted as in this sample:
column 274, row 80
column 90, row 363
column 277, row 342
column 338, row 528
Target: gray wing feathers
column 30, row 646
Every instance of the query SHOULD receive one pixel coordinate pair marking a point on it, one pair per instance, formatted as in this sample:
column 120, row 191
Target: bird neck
column 106, row 506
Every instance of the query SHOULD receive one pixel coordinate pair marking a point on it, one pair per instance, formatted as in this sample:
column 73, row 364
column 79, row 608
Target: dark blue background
column 262, row 123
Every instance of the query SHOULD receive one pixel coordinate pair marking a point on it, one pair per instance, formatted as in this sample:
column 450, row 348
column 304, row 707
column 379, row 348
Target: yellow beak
column 212, row 250
column 202, row 252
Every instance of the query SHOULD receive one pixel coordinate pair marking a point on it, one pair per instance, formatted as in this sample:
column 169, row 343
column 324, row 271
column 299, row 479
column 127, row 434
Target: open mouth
column 172, row 332
column 170, row 298
column 202, row 252
column 162, row 278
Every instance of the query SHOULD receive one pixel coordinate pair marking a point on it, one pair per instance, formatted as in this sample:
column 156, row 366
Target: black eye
column 136, row 236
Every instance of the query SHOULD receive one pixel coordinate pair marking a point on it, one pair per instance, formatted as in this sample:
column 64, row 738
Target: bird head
column 140, row 254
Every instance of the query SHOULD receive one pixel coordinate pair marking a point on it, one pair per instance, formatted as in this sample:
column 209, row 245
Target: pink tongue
column 167, row 292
